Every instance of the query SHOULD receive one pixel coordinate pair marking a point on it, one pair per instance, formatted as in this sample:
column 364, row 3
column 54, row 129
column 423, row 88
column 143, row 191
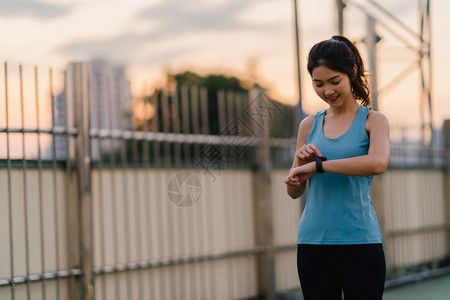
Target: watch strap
column 319, row 160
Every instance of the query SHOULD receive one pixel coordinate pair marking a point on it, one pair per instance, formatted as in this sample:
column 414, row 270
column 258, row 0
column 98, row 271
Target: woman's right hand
column 306, row 154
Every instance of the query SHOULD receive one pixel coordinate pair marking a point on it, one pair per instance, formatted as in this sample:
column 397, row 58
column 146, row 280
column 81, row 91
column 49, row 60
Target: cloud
column 120, row 45
column 35, row 8
column 122, row 48
column 176, row 17
column 170, row 19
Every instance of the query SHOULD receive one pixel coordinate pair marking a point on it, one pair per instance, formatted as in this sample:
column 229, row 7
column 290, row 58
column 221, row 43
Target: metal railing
column 32, row 216
column 89, row 210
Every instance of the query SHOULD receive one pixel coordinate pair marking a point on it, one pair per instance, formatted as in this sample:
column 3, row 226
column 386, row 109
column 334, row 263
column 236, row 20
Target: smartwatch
column 319, row 160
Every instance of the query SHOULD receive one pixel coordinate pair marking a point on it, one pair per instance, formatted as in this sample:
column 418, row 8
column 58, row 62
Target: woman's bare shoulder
column 376, row 120
column 308, row 121
column 306, row 126
column 377, row 117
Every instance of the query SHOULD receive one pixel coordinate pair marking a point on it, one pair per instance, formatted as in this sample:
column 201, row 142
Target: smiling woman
column 331, row 85
column 350, row 64
column 338, row 152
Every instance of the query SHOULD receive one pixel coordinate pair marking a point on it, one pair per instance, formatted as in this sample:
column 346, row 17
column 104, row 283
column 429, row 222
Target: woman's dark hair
column 339, row 54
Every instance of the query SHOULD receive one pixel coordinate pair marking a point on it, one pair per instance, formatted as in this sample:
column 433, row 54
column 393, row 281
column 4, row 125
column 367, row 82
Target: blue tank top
column 339, row 207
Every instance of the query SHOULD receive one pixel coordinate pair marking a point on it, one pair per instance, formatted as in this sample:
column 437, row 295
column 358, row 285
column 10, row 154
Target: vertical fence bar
column 230, row 109
column 209, row 211
column 185, row 216
column 84, row 181
column 240, row 214
column 137, row 199
column 239, row 104
column 172, row 121
column 204, row 111
column 188, row 217
column 174, row 215
column 25, row 194
column 201, row 239
column 446, row 142
column 231, row 105
column 165, row 111
column 156, row 128
column 68, row 184
column 231, row 269
column 161, row 217
column 55, row 193
column 8, row 162
column 239, row 108
column 207, row 246
column 176, row 126
column 262, row 200
column 185, row 117
column 125, row 183
column 229, row 236
column 39, row 163
column 101, row 197
column 221, row 110
column 113, row 187
column 195, row 117
column 147, row 200
column 395, row 240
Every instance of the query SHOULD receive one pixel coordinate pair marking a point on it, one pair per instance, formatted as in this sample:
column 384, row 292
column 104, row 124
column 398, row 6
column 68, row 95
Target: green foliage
column 213, row 82
column 175, row 113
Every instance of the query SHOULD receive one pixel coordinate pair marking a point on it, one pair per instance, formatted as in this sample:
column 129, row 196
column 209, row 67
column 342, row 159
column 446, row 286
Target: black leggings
column 327, row 271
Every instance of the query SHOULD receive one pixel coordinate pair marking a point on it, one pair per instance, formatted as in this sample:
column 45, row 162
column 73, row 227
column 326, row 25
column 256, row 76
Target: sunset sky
column 251, row 38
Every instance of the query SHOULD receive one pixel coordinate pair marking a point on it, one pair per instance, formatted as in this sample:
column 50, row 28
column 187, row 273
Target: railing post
column 379, row 204
column 262, row 202
column 81, row 102
column 446, row 137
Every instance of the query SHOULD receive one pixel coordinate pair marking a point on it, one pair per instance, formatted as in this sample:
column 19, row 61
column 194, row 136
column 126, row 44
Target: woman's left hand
column 300, row 174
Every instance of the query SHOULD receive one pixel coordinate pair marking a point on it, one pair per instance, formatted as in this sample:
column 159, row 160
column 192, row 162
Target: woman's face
column 332, row 86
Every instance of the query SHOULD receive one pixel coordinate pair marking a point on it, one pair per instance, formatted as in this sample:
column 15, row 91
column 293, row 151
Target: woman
column 339, row 150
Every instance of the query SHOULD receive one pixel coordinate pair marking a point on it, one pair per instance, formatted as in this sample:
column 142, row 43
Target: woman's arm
column 377, row 159
column 374, row 163
column 304, row 154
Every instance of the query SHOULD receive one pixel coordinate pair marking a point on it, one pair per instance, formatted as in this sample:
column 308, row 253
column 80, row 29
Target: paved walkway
column 433, row 289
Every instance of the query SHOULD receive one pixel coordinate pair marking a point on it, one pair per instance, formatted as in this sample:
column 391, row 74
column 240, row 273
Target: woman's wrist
column 318, row 164
column 312, row 166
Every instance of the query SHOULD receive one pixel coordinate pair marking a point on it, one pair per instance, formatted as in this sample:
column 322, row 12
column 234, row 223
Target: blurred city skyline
column 251, row 39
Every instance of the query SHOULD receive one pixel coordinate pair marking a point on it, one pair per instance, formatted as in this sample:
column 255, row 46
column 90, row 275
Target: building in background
column 110, row 108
